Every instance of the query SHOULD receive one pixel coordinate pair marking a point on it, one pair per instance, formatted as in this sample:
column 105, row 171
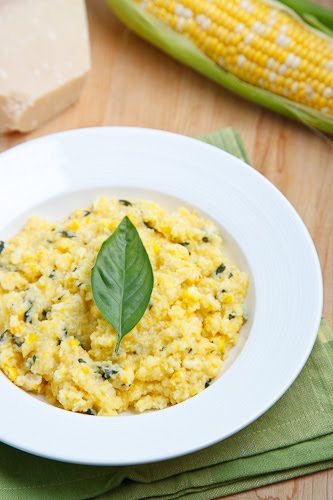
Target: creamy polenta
column 54, row 341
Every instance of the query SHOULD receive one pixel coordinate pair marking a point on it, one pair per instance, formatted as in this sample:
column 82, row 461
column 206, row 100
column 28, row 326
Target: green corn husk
column 181, row 48
column 313, row 14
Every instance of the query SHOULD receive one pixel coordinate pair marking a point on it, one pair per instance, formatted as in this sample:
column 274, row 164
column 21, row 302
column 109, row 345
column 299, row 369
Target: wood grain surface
column 132, row 83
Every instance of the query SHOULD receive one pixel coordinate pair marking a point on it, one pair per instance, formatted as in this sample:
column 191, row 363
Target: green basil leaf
column 122, row 279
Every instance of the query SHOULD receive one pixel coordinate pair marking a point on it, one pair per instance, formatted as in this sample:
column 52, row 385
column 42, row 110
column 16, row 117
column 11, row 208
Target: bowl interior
column 58, row 207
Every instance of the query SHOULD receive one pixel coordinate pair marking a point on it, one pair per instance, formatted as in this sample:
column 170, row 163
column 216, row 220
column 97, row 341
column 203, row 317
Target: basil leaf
column 122, row 279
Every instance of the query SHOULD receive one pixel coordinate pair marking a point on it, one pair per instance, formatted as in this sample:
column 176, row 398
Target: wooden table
column 132, row 83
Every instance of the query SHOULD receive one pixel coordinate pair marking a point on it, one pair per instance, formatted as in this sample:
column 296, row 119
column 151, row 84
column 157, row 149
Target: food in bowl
column 55, row 342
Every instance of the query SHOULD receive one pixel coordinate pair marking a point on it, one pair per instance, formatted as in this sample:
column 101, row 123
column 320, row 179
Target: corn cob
column 260, row 49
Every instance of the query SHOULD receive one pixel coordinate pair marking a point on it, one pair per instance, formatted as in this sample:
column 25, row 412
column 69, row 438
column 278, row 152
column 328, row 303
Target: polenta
column 54, row 341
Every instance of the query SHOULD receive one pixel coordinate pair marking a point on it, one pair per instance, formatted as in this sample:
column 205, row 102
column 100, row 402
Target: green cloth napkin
column 295, row 437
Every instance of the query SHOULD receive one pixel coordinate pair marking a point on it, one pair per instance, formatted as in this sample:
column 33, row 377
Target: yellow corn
column 11, row 372
column 259, row 43
column 73, row 342
column 73, row 225
column 31, row 338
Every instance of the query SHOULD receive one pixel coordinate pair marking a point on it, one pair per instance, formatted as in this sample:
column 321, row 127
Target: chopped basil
column 64, row 335
column 207, row 384
column 149, row 226
column 90, row 411
column 52, row 274
column 43, row 314
column 232, row 315
column 18, row 341
column 205, row 239
column 223, row 291
column 184, row 243
column 27, row 317
column 67, row 234
column 125, row 202
column 230, row 275
column 190, row 350
column 106, row 373
column 80, row 360
column 86, row 213
column 2, row 246
column 30, row 361
column 3, row 335
column 220, row 269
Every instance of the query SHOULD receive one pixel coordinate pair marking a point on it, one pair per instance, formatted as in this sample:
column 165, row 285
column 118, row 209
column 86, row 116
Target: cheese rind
column 44, row 60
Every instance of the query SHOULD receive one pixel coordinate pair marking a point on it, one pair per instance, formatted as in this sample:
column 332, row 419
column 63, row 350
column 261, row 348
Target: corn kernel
column 73, row 226
column 31, row 338
column 156, row 248
column 11, row 373
column 73, row 342
column 228, row 298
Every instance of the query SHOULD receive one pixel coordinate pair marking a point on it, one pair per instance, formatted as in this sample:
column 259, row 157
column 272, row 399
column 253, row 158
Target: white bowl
column 52, row 175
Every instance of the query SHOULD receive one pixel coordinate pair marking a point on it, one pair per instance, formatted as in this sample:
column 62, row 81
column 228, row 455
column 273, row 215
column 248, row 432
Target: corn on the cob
column 282, row 62
column 258, row 43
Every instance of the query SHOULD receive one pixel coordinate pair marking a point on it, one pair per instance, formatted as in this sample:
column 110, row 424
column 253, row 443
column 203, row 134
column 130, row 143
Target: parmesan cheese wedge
column 44, row 60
